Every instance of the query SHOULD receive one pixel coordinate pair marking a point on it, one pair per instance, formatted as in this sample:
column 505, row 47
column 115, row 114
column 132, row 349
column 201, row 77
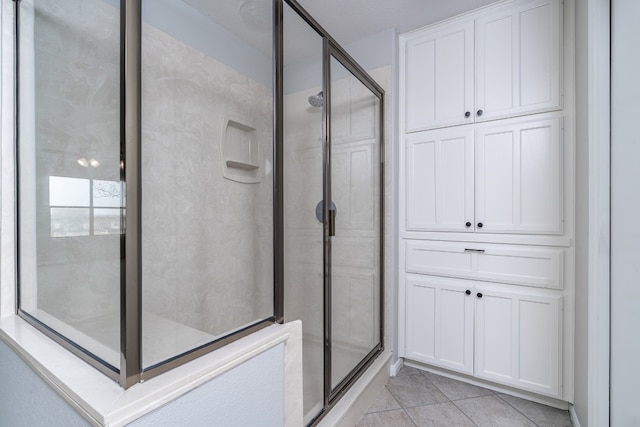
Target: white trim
column 575, row 422
column 599, row 114
column 104, row 403
column 395, row 367
column 7, row 181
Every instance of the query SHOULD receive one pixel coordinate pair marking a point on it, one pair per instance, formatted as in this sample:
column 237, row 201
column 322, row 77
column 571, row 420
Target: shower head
column 316, row 100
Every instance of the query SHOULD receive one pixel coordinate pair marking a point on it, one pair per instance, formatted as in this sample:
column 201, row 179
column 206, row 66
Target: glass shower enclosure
column 332, row 209
column 192, row 171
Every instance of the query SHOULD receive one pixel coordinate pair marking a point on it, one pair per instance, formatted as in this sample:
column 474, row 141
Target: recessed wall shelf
column 241, row 165
column 241, row 156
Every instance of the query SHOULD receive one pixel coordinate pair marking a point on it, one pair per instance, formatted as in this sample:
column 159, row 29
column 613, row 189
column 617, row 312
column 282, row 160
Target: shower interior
column 207, row 183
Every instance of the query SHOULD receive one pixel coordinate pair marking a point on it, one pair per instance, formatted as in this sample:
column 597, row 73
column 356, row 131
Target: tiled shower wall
column 207, row 240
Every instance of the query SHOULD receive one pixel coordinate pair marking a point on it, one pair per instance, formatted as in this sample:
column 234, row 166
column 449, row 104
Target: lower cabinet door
column 518, row 337
column 439, row 322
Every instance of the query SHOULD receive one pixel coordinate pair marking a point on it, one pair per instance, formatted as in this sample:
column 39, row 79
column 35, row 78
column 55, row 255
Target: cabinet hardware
column 479, row 113
column 468, row 292
column 332, row 222
column 479, row 294
column 468, row 224
column 476, row 251
column 467, row 114
column 480, row 225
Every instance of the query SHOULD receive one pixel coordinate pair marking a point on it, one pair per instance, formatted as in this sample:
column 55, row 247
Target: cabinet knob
column 468, row 292
column 479, row 113
column 480, row 225
column 467, row 114
column 468, row 224
column 479, row 294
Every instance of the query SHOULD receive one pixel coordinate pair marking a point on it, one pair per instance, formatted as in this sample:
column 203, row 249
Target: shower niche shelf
column 241, row 155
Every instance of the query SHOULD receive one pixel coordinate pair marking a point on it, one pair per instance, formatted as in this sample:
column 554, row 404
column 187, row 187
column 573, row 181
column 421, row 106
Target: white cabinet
column 439, row 77
column 518, row 57
column 519, row 176
column 439, row 323
column 516, row 187
column 487, row 196
column 502, row 62
column 518, row 338
column 439, row 180
column 518, row 334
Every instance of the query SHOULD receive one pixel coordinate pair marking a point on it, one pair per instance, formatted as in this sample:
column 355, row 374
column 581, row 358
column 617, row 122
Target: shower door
column 353, row 244
column 332, row 235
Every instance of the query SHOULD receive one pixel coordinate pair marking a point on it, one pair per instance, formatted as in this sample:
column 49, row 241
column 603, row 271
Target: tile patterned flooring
column 418, row 398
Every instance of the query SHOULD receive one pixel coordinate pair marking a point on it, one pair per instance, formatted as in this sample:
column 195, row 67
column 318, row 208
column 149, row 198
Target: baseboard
column 500, row 388
column 395, row 367
column 574, row 417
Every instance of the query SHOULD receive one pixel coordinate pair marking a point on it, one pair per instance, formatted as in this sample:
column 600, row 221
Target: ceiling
column 345, row 20
column 351, row 20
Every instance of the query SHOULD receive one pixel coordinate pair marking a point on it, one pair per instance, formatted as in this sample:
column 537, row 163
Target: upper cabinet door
column 439, row 180
column 519, row 176
column 518, row 57
column 438, row 77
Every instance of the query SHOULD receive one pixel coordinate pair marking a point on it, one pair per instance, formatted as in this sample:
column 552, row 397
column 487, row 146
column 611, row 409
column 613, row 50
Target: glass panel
column 303, row 190
column 207, row 184
column 355, row 190
column 69, row 136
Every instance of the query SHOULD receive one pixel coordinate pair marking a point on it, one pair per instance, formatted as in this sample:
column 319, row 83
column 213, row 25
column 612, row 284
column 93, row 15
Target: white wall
column 591, row 364
column 582, row 219
column 250, row 395
column 26, row 400
column 625, row 204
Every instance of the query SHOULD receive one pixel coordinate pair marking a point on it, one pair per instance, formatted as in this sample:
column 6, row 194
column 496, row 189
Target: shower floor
column 161, row 338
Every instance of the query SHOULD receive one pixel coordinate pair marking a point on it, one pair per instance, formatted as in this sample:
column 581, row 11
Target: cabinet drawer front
column 442, row 258
column 519, row 265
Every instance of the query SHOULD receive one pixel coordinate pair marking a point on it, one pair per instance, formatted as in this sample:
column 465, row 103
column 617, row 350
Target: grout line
column 424, row 404
column 464, row 413
column 412, row 420
column 472, row 397
column 517, row 410
column 410, row 417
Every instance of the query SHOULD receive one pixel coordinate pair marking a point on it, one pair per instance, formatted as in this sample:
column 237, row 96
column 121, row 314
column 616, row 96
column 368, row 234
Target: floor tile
column 411, row 388
column 439, row 415
column 491, row 411
column 456, row 390
column 395, row 418
column 544, row 416
column 384, row 402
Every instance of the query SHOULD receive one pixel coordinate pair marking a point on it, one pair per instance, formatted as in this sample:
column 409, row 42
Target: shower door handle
column 332, row 222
